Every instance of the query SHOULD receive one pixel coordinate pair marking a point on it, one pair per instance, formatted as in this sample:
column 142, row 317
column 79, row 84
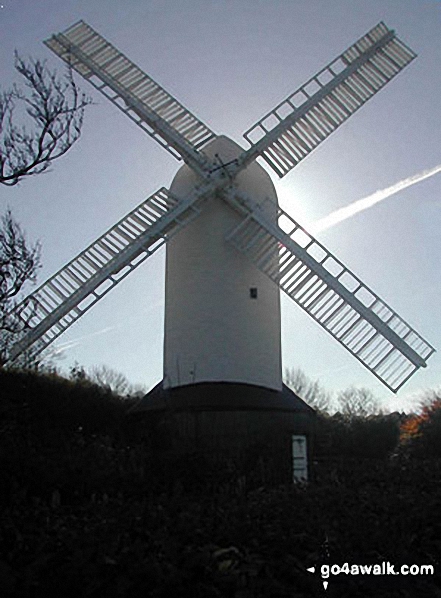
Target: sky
column 230, row 62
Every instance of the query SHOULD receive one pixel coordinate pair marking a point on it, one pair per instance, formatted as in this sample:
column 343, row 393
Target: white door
column 299, row 459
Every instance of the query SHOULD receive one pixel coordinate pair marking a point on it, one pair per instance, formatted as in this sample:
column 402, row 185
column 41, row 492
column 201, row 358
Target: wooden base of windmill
column 259, row 431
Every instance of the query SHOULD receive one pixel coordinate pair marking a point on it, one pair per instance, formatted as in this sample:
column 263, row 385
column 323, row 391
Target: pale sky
column 230, row 62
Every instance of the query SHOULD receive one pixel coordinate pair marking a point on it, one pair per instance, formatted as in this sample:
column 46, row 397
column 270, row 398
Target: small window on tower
column 253, row 292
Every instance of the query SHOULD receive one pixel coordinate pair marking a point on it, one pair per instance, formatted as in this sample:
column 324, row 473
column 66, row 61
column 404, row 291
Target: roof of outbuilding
column 221, row 396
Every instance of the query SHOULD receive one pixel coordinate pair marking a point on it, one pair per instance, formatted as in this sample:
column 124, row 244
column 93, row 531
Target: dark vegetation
column 94, row 504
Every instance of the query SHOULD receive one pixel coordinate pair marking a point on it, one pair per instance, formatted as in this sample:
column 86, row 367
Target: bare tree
column 358, row 402
column 107, row 377
column 114, row 381
column 308, row 390
column 19, row 263
column 55, row 108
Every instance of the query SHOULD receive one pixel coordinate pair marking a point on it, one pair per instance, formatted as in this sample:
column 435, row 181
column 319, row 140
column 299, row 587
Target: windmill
column 230, row 247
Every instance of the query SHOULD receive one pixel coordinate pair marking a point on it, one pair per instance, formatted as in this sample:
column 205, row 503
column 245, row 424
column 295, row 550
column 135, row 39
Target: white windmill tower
column 230, row 246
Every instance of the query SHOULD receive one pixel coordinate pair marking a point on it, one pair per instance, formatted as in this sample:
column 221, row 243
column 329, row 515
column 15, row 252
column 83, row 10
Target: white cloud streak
column 367, row 202
column 61, row 348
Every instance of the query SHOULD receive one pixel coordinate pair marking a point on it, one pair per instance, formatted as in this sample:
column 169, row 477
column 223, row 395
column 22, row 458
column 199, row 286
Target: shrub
column 420, row 434
column 357, row 436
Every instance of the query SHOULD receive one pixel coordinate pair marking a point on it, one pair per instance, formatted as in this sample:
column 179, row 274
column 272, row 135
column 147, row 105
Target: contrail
column 74, row 342
column 63, row 347
column 369, row 201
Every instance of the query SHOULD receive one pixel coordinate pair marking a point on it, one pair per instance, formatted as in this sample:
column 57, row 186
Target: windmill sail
column 132, row 91
column 74, row 289
column 300, row 123
column 345, row 307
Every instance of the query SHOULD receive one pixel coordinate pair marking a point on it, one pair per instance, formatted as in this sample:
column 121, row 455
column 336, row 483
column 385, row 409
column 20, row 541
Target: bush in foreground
column 91, row 508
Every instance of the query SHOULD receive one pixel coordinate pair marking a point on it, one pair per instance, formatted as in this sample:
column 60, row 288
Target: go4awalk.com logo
column 384, row 568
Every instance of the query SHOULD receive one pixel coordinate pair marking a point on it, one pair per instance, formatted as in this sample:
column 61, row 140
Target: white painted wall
column 214, row 331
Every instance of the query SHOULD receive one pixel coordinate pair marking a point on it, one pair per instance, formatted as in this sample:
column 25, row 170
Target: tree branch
column 19, row 263
column 56, row 109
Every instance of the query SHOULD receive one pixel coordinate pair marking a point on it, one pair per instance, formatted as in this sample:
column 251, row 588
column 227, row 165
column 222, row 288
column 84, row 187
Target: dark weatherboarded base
column 244, row 423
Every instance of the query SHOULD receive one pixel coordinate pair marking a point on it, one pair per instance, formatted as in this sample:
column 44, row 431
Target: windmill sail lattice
column 287, row 134
column 333, row 296
column 74, row 289
column 307, row 272
column 133, row 91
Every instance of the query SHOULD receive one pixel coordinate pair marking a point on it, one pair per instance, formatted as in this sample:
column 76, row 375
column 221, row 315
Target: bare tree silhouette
column 55, row 108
